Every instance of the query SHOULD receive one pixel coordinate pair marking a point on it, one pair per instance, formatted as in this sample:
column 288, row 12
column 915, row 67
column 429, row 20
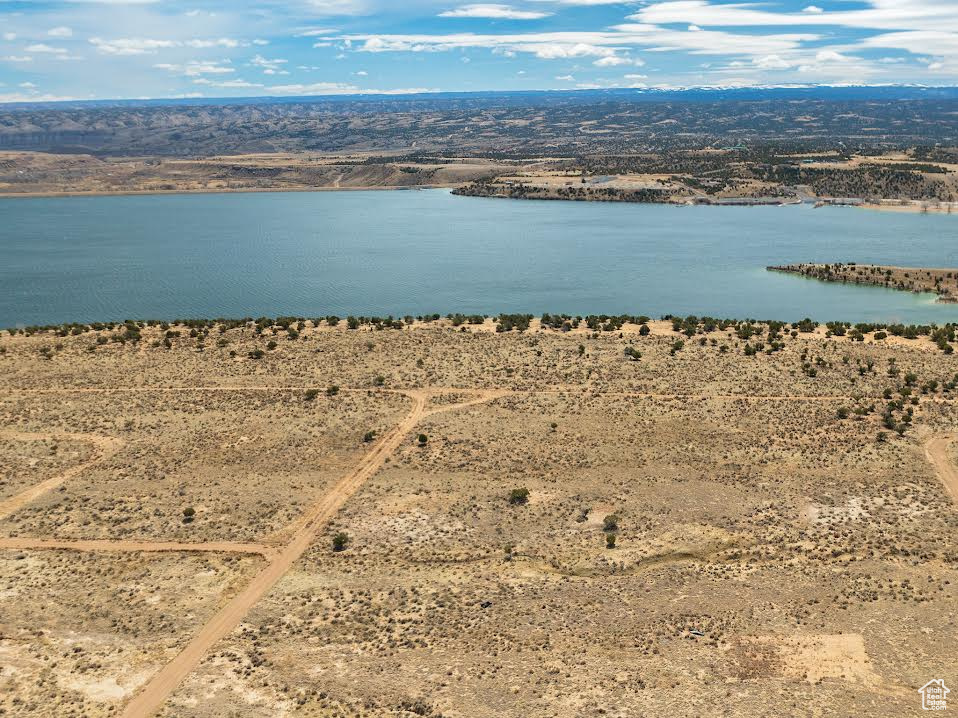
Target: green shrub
column 340, row 541
column 517, row 497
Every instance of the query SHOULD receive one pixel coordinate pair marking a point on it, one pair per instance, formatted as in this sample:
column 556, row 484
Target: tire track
column 107, row 545
column 105, row 448
column 936, row 451
column 152, row 696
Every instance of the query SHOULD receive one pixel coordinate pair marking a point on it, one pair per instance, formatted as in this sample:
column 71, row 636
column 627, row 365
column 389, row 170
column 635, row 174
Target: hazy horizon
column 54, row 50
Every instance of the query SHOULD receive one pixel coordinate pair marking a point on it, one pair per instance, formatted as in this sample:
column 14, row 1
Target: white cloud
column 831, row 56
column 494, row 11
column 270, row 67
column 916, row 42
column 16, row 58
column 225, row 83
column 45, row 49
column 237, row 83
column 218, row 42
column 772, row 62
column 148, row 46
column 130, row 45
column 195, row 68
column 564, row 45
column 315, row 32
column 61, row 31
column 879, row 15
column 315, row 88
column 565, row 78
column 9, row 36
column 562, row 51
column 616, row 60
column 33, row 96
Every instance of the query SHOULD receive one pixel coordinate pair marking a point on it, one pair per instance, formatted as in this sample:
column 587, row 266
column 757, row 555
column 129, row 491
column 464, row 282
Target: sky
column 111, row 49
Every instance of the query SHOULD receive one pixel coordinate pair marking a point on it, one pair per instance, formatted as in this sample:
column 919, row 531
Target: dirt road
column 936, row 450
column 152, row 696
column 144, row 546
column 104, row 445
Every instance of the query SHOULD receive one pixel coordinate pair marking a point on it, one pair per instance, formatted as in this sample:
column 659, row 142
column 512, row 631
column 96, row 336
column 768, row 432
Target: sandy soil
column 770, row 549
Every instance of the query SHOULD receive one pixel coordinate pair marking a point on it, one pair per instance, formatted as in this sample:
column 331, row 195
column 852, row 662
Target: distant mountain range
column 540, row 97
column 494, row 124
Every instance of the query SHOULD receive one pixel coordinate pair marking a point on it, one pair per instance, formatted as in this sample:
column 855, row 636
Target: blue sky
column 81, row 49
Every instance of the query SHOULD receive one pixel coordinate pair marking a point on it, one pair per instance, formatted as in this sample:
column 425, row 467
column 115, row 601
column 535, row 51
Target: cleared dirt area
column 528, row 524
column 81, row 632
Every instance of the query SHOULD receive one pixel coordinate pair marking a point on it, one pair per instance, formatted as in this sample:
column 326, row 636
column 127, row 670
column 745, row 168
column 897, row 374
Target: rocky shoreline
column 943, row 282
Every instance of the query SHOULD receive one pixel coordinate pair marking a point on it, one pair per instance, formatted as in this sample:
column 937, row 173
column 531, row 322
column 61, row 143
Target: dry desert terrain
column 530, row 523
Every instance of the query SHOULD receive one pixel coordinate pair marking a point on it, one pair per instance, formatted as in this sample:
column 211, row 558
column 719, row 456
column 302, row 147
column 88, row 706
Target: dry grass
column 770, row 557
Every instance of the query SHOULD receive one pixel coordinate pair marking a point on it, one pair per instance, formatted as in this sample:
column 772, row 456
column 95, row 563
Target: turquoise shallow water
column 413, row 252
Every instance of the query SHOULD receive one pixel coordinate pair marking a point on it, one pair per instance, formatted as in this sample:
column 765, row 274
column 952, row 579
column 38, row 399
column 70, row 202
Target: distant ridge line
column 651, row 94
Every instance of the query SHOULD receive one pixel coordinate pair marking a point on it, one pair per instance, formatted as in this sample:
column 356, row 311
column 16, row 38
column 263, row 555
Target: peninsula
column 675, row 148
column 943, row 282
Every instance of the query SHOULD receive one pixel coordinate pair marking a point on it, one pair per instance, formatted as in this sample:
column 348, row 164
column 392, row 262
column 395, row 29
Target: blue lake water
column 415, row 252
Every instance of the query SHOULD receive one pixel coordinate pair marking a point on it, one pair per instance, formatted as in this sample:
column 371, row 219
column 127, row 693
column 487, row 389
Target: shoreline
column 743, row 202
column 938, row 282
column 585, row 323
column 909, row 208
column 240, row 190
column 886, row 206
